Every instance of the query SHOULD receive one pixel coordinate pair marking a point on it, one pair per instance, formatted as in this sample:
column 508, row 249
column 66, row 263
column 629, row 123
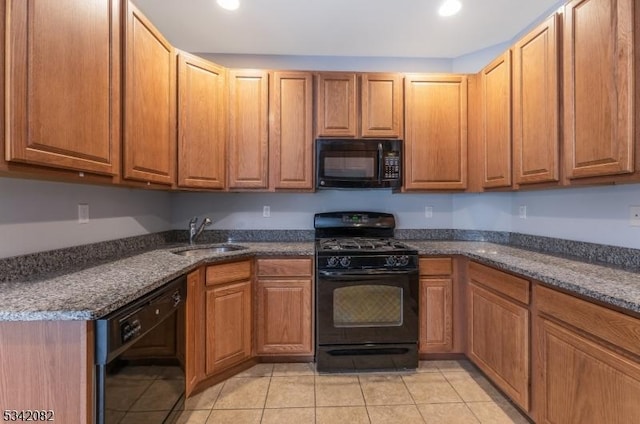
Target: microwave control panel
column 392, row 166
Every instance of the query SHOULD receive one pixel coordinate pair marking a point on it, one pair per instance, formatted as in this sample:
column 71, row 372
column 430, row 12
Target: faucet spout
column 194, row 232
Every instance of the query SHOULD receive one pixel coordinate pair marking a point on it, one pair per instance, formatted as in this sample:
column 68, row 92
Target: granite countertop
column 94, row 292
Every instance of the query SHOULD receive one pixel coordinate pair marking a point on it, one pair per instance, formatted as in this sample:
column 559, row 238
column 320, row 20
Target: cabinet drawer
column 300, row 267
column 227, row 273
column 611, row 326
column 436, row 266
column 509, row 285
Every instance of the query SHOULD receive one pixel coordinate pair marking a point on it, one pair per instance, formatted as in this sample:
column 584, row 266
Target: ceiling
column 353, row 28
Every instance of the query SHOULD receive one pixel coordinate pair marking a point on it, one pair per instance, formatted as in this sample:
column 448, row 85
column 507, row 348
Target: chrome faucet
column 195, row 233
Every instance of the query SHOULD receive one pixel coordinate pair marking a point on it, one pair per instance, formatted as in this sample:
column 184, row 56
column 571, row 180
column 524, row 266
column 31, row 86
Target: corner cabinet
column 248, row 157
column 498, row 329
column 495, row 112
column 291, row 131
column 588, row 362
column 149, row 143
column 536, row 105
column 598, row 87
column 228, row 315
column 284, row 307
column 435, row 132
column 202, row 123
column 63, row 84
column 436, row 305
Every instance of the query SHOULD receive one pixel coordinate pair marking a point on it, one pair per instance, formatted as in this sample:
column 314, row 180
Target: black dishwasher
column 139, row 369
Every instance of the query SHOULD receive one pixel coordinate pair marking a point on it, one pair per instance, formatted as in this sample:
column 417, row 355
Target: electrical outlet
column 428, row 211
column 83, row 213
column 266, row 211
column 634, row 216
column 523, row 211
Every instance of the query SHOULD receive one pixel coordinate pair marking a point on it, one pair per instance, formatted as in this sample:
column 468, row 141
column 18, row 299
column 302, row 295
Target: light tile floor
column 438, row 392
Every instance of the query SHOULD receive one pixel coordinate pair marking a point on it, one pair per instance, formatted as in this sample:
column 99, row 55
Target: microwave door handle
column 380, row 164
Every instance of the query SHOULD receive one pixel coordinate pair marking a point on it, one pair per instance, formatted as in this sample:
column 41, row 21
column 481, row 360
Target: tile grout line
column 415, row 404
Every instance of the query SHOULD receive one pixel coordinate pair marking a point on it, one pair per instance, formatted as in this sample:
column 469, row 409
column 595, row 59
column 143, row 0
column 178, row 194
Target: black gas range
column 366, row 294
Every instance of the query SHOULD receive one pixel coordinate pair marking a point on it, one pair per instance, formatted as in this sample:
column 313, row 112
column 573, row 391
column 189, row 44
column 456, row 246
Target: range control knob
column 391, row 261
column 345, row 261
column 333, row 261
column 403, row 260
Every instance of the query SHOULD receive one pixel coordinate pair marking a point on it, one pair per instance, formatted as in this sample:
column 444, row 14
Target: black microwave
column 358, row 163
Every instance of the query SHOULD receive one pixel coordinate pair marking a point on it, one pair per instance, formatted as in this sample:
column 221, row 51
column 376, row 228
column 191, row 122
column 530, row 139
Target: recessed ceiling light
column 229, row 4
column 450, row 8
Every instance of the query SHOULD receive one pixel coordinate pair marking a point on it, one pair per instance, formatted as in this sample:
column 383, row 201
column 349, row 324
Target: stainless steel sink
column 209, row 250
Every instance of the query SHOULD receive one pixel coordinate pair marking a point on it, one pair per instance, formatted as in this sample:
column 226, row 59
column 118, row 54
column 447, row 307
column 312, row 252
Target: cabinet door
column 194, row 331
column 248, row 129
column 583, row 382
column 336, row 108
column 498, row 342
column 436, row 315
column 228, row 325
column 291, row 130
column 435, row 132
column 202, row 121
column 598, row 81
column 63, row 84
column 284, row 317
column 536, row 105
column 150, row 102
column 381, row 113
column 496, row 122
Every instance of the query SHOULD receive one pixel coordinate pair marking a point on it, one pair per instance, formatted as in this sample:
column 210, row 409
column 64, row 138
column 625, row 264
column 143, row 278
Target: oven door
column 348, row 163
column 367, row 307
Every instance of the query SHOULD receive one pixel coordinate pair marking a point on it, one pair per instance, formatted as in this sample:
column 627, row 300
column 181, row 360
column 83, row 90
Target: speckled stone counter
column 605, row 284
column 96, row 291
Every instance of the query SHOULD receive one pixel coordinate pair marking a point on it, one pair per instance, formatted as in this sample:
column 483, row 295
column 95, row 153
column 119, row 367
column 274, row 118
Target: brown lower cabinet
column 498, row 329
column 227, row 315
column 587, row 362
column 284, row 307
column 436, row 305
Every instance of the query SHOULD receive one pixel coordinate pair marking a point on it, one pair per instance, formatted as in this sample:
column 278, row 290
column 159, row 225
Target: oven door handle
column 380, row 163
column 344, row 275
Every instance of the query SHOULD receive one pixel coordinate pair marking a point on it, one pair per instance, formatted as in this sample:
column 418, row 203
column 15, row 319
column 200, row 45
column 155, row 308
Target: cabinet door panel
column 598, row 76
column 584, row 382
column 63, row 84
column 496, row 119
column 150, row 102
column 248, row 129
column 291, row 130
column 499, row 342
column 435, row 132
column 194, row 331
column 381, row 105
column 436, row 315
column 536, row 105
column 201, row 123
column 284, row 317
column 228, row 328
column 336, row 110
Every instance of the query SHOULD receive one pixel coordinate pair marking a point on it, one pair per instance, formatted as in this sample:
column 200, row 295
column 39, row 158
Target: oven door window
column 367, row 306
column 350, row 164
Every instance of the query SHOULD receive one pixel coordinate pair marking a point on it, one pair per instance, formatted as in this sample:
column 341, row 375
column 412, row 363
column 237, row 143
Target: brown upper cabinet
column 536, row 130
column 63, row 84
column 435, row 132
column 248, row 158
column 202, row 122
column 598, row 87
column 149, row 142
column 291, row 131
column 495, row 112
column 374, row 109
